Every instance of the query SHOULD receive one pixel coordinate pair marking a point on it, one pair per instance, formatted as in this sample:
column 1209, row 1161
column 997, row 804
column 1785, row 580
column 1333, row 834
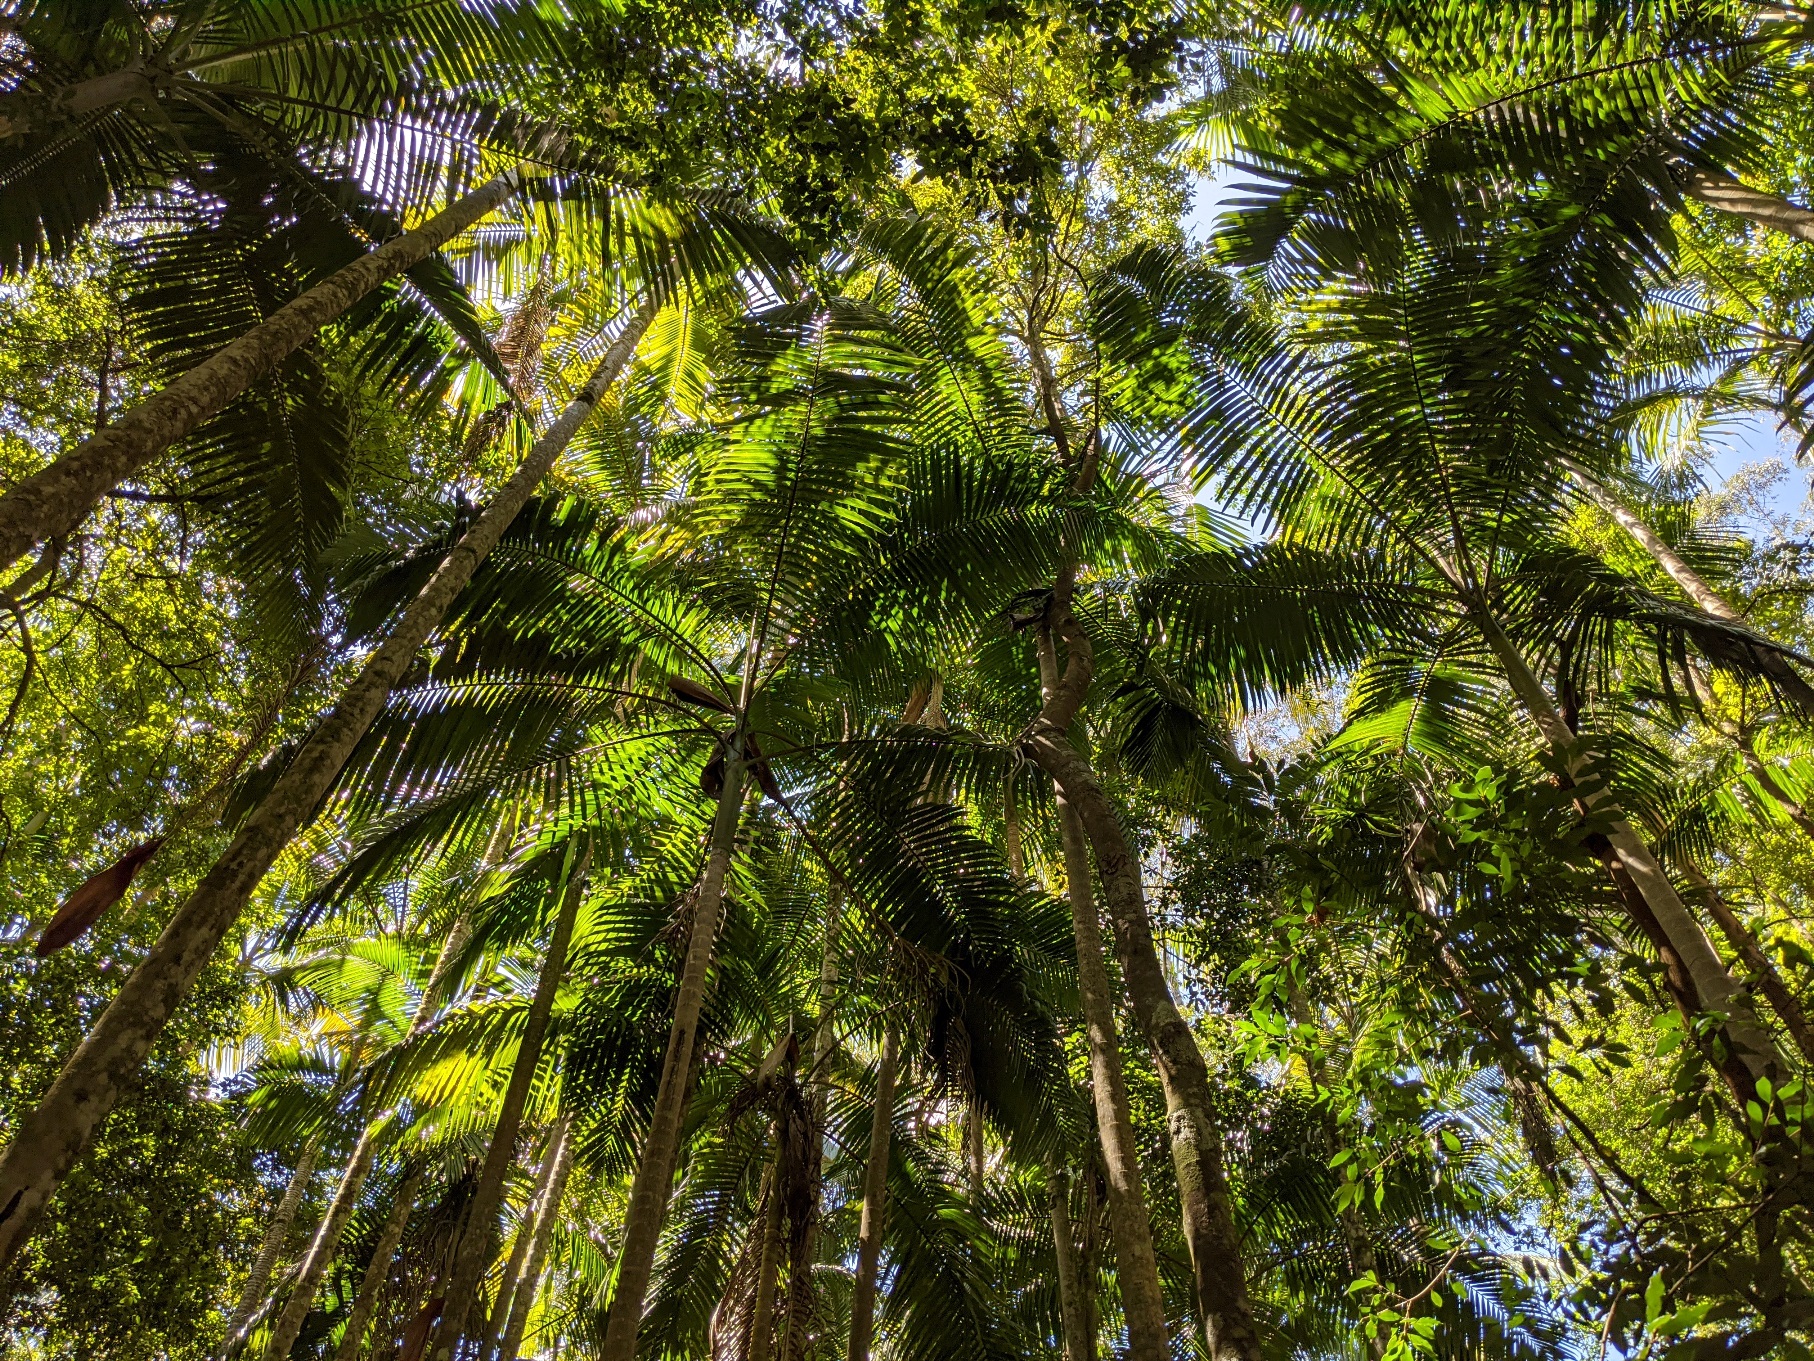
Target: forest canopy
column 760, row 680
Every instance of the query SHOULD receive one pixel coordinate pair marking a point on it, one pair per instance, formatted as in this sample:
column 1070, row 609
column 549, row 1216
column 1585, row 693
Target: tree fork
column 50, row 1139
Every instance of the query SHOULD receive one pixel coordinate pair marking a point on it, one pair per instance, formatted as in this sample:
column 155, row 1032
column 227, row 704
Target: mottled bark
column 1783, row 1002
column 509, row 1283
column 252, row 1294
column 1073, row 1318
column 475, row 1245
column 523, row 1299
column 875, row 1200
column 661, row 1150
column 50, row 1139
column 371, row 1285
column 1196, row 1142
column 1754, row 205
column 768, row 1264
column 53, row 501
column 326, row 1242
column 1129, row 1224
column 1711, row 982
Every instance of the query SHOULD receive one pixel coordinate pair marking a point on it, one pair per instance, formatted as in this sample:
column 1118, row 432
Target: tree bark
column 475, row 1244
column 1767, row 781
column 800, row 1283
column 523, row 1299
column 875, row 1200
column 1783, row 1002
column 352, row 1337
column 508, row 1284
column 326, row 1242
column 768, row 1264
column 655, row 1173
column 50, row 1139
column 1712, row 983
column 1137, row 1263
column 253, row 1294
column 1709, row 601
column 1196, row 1142
column 1754, row 205
column 53, row 501
column 1079, row 1344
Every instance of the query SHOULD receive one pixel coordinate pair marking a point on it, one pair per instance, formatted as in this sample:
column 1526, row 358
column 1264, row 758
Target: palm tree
column 47, row 1143
column 198, row 104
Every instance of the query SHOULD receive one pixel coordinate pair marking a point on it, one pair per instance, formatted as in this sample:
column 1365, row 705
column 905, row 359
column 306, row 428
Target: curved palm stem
column 53, row 501
column 48, row 1141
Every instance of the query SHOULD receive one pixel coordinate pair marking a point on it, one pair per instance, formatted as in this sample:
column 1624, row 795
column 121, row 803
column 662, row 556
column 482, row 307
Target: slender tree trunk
column 1079, row 1344
column 475, row 1244
column 50, row 1139
column 53, row 501
column 975, row 1156
column 1767, row 781
column 768, row 1263
column 524, row 1298
column 131, row 81
column 326, row 1243
column 1712, row 983
column 655, row 1173
column 253, row 1293
column 1754, row 205
column 1196, row 1142
column 875, row 1200
column 1709, row 601
column 1137, row 1263
column 519, row 1253
column 1783, row 1002
column 800, row 1283
column 371, row 1285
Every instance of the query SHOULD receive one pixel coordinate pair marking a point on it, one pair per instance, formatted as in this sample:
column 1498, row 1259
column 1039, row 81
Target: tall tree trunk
column 326, row 1242
column 50, row 1139
column 253, row 1293
column 1137, row 1263
column 800, row 1285
column 1709, row 601
column 53, row 501
column 1079, row 1344
column 768, row 1262
column 875, row 1199
column 515, row 1268
column 1783, row 1002
column 475, row 1245
column 1754, row 205
column 1196, row 1142
column 661, row 1151
column 371, row 1285
column 523, row 1299
column 1713, row 984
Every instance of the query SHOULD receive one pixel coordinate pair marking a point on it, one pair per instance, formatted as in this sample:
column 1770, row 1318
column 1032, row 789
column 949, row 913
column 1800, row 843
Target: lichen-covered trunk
column 326, row 1242
column 475, row 1244
column 252, row 1294
column 1711, row 982
column 523, row 1299
column 1196, row 1142
column 365, row 1303
column 661, row 1149
column 875, row 1200
column 53, row 501
column 50, row 1139
column 1129, row 1224
column 1073, row 1318
column 516, row 1268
